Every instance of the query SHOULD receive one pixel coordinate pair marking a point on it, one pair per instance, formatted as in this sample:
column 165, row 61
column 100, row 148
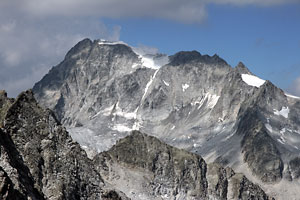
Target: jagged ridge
column 195, row 102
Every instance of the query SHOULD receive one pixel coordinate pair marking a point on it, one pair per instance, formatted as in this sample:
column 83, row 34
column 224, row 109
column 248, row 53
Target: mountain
column 103, row 90
column 39, row 160
column 145, row 168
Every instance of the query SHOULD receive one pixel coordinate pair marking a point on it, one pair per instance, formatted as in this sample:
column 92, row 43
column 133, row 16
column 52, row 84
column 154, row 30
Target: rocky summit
column 104, row 90
column 39, row 160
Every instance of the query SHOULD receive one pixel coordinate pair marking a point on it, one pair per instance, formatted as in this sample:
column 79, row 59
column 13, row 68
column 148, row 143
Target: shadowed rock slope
column 143, row 167
column 38, row 158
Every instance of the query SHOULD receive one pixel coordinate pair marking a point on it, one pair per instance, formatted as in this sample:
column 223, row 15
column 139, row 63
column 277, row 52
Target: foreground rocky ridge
column 145, row 168
column 102, row 91
column 39, row 160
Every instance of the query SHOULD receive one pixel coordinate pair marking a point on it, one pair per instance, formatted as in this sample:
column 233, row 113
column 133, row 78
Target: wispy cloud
column 295, row 87
column 254, row 2
column 30, row 47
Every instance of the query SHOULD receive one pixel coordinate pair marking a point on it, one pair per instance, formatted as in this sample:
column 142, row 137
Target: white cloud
column 36, row 34
column 188, row 11
column 29, row 48
column 295, row 87
column 18, row 83
column 254, row 2
column 143, row 50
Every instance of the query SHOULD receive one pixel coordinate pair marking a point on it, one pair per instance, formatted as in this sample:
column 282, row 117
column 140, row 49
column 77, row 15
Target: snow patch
column 127, row 115
column 282, row 131
column 53, row 94
column 229, row 136
column 280, row 141
column 105, row 42
column 283, row 112
column 252, row 80
column 153, row 61
column 292, row 96
column 269, row 127
column 212, row 100
column 173, row 127
column 135, row 65
column 121, row 128
column 148, row 84
column 149, row 62
column 185, row 86
column 166, row 83
column 117, row 112
column 106, row 112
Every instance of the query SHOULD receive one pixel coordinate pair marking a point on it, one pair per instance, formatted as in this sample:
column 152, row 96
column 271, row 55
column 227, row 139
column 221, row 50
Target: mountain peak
column 242, row 69
column 190, row 56
column 85, row 43
column 3, row 93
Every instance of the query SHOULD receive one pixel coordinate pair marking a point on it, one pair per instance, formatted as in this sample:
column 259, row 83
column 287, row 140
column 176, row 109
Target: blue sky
column 264, row 35
column 265, row 39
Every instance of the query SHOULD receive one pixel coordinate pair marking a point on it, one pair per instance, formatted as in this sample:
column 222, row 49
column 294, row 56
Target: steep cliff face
column 103, row 90
column 145, row 168
column 39, row 160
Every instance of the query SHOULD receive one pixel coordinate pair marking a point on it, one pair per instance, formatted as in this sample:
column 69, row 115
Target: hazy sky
column 264, row 34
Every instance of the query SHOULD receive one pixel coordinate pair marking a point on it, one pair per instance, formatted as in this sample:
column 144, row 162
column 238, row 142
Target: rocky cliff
column 39, row 160
column 145, row 168
column 102, row 91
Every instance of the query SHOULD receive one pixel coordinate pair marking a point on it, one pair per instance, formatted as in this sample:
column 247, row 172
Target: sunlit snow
column 292, row 96
column 211, row 100
column 153, row 61
column 101, row 42
column 148, row 84
column 166, row 83
column 173, row 127
column 185, row 86
column 283, row 112
column 252, row 80
column 121, row 128
column 269, row 127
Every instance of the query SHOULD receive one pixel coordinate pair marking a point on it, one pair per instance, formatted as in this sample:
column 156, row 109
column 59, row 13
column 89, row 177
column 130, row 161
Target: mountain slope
column 38, row 159
column 102, row 91
column 145, row 168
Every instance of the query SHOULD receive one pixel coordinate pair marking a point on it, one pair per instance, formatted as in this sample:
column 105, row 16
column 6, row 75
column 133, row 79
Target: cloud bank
column 36, row 34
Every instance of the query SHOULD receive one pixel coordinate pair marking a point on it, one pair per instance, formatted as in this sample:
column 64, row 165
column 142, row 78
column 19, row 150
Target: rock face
column 145, row 168
column 39, row 160
column 102, row 91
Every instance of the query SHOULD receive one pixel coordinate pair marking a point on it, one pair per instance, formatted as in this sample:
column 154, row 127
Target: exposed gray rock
column 260, row 150
column 294, row 166
column 169, row 173
column 39, row 160
column 102, row 91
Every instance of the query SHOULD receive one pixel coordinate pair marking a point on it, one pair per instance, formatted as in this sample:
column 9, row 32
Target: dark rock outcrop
column 169, row 172
column 39, row 160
